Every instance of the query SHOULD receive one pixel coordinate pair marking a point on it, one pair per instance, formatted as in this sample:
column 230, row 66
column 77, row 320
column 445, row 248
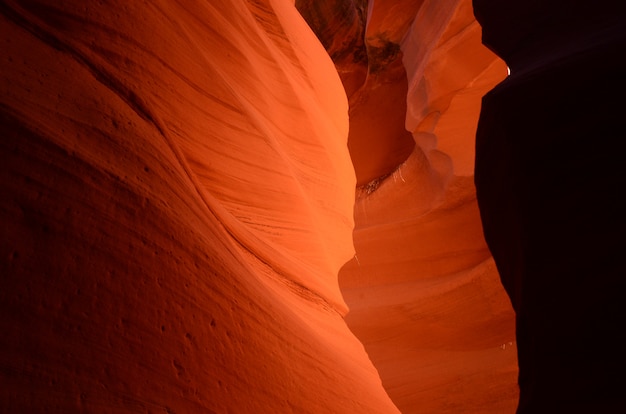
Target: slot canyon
column 301, row 206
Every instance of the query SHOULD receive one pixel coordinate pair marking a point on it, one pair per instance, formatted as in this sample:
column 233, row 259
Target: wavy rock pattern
column 179, row 210
column 423, row 291
column 166, row 245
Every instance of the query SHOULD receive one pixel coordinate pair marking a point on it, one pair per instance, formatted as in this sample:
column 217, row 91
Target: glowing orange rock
column 176, row 203
column 423, row 291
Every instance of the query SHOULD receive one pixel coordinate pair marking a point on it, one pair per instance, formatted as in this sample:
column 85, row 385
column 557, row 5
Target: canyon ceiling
column 343, row 206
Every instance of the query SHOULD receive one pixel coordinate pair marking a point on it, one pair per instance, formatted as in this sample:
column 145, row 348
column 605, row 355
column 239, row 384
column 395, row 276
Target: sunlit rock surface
column 423, row 291
column 177, row 200
column 550, row 181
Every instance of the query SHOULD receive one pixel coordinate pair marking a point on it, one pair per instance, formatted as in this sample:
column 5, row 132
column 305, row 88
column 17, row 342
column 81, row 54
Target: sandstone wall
column 176, row 203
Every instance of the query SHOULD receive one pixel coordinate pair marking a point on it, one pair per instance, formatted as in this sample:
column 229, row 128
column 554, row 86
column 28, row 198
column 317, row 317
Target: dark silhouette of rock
column 550, row 182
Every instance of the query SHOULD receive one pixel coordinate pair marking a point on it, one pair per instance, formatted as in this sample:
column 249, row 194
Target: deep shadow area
column 550, row 184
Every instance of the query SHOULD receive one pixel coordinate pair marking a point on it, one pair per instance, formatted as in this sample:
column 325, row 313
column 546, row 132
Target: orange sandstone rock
column 423, row 292
column 176, row 203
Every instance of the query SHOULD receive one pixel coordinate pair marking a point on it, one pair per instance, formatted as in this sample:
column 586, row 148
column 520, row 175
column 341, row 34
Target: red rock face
column 179, row 209
column 422, row 289
column 549, row 181
column 177, row 200
column 366, row 52
column 423, row 292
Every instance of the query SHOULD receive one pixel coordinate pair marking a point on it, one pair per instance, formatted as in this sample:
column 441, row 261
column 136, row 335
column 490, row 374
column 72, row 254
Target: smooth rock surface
column 177, row 200
column 423, row 291
column 202, row 212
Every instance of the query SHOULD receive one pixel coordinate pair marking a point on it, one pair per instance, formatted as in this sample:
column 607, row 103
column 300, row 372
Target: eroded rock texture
column 178, row 204
column 177, row 200
column 550, row 181
column 366, row 50
column 423, row 291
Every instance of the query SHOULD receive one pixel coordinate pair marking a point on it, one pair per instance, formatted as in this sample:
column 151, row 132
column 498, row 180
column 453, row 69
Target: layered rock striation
column 202, row 212
column 177, row 200
column 423, row 291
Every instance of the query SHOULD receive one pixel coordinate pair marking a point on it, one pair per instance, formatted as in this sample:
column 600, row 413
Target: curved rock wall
column 423, row 291
column 365, row 47
column 178, row 199
column 176, row 203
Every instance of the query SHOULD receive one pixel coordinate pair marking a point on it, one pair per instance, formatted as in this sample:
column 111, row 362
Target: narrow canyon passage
column 423, row 291
column 300, row 206
column 183, row 206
